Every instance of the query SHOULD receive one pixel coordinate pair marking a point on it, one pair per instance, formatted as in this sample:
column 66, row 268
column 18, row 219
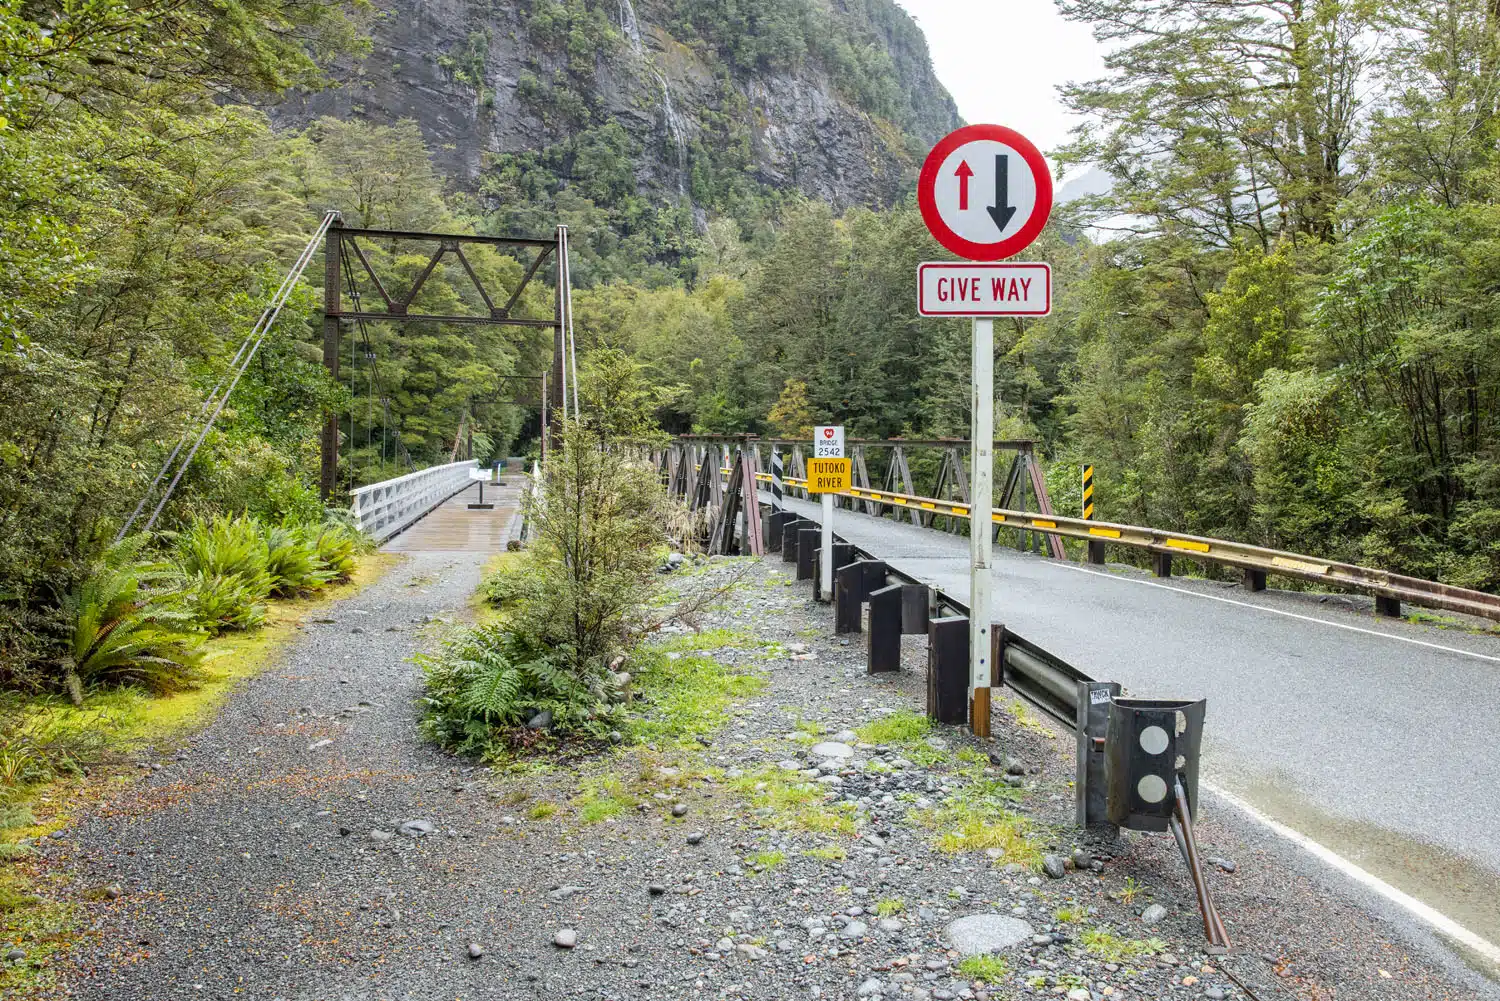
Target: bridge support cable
column 238, row 364
column 367, row 346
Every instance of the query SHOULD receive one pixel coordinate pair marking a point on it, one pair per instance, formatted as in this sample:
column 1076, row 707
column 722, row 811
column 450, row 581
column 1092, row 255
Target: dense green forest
column 1279, row 326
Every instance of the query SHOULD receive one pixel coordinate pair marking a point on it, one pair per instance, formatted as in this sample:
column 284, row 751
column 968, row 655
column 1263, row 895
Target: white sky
column 1002, row 60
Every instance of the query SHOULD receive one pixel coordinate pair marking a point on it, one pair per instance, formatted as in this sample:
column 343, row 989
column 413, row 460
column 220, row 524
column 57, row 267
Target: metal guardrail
column 386, row 508
column 1255, row 559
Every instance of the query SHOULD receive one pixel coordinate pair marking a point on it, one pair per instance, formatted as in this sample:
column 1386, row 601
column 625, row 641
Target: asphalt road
column 1368, row 735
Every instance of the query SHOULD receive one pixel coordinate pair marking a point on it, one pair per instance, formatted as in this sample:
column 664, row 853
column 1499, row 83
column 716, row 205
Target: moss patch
column 1113, row 948
column 989, row 969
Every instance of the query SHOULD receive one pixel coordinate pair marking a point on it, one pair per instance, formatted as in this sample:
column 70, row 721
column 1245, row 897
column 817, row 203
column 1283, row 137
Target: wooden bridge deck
column 455, row 528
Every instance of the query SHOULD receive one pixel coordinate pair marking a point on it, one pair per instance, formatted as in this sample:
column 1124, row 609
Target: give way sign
column 985, row 192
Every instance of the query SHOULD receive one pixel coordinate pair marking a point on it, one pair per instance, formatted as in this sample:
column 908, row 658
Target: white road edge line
column 1438, row 921
column 1277, row 611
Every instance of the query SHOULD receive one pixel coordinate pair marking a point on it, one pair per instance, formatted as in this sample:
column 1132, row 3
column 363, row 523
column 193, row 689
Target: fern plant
column 225, row 547
column 338, row 548
column 293, row 562
column 216, row 602
column 224, row 578
column 486, row 685
column 124, row 631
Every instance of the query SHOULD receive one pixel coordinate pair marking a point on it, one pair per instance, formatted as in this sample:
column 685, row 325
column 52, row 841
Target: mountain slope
column 701, row 101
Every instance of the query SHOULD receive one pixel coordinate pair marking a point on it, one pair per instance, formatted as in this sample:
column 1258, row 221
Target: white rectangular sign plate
column 828, row 442
column 952, row 289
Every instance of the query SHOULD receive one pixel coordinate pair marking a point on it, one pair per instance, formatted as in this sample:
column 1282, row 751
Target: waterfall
column 630, row 26
column 675, row 130
column 676, row 126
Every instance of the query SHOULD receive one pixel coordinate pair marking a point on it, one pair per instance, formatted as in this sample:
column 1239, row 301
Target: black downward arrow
column 1002, row 211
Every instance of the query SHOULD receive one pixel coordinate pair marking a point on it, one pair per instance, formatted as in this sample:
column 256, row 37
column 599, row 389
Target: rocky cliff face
column 835, row 98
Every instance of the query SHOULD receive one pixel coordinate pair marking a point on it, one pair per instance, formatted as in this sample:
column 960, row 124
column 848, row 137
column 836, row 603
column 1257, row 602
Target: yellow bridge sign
column 827, row 476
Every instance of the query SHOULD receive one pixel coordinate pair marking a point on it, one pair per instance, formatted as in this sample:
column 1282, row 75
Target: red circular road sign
column 985, row 192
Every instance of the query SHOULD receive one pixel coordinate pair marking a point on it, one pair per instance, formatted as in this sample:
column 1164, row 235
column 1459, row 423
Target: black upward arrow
column 1002, row 211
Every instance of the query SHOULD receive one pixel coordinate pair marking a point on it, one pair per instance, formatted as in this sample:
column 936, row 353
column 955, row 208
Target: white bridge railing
column 383, row 509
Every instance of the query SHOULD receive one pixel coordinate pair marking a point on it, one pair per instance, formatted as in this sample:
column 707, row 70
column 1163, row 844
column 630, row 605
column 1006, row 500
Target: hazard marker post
column 985, row 192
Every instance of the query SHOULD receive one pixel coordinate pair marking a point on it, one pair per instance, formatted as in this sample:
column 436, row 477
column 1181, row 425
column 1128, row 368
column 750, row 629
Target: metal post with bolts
column 981, row 538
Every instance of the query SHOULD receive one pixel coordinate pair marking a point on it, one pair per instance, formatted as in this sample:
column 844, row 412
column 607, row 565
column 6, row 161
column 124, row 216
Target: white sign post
column 828, row 443
column 985, row 193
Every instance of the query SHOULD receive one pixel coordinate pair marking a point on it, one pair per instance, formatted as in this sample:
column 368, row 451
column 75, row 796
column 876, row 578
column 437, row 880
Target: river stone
column 832, row 749
column 566, row 938
column 418, row 828
column 978, row 934
column 1053, row 866
column 1153, row 914
column 476, row 951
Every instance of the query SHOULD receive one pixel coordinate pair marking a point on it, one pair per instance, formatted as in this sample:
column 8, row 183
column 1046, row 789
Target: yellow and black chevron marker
column 1088, row 493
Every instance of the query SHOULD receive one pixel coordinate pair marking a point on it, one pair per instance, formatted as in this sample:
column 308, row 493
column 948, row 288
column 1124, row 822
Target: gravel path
column 268, row 858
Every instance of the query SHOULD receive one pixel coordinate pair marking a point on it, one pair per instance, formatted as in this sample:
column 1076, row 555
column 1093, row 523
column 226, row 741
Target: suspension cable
column 374, row 363
column 213, row 406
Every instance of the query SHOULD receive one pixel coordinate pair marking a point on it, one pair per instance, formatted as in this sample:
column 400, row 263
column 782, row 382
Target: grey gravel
column 240, row 883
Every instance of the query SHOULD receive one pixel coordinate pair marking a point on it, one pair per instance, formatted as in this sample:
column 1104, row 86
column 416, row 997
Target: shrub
column 485, row 686
column 592, row 563
column 122, row 631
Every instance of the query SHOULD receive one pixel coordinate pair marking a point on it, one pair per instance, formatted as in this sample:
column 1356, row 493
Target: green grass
column 603, row 798
column 901, row 727
column 767, row 860
column 794, row 802
column 542, row 811
column 889, row 907
column 709, row 639
column 990, row 969
column 1070, row 915
column 1114, row 949
column 687, row 698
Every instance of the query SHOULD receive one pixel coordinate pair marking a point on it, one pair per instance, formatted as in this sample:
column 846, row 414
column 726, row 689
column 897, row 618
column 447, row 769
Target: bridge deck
column 1360, row 732
column 453, row 527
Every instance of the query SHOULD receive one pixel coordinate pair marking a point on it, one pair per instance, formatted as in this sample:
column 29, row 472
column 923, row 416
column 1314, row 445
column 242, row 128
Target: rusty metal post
column 333, row 277
column 1387, row 606
column 1255, row 580
column 1161, row 564
column 1187, row 843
